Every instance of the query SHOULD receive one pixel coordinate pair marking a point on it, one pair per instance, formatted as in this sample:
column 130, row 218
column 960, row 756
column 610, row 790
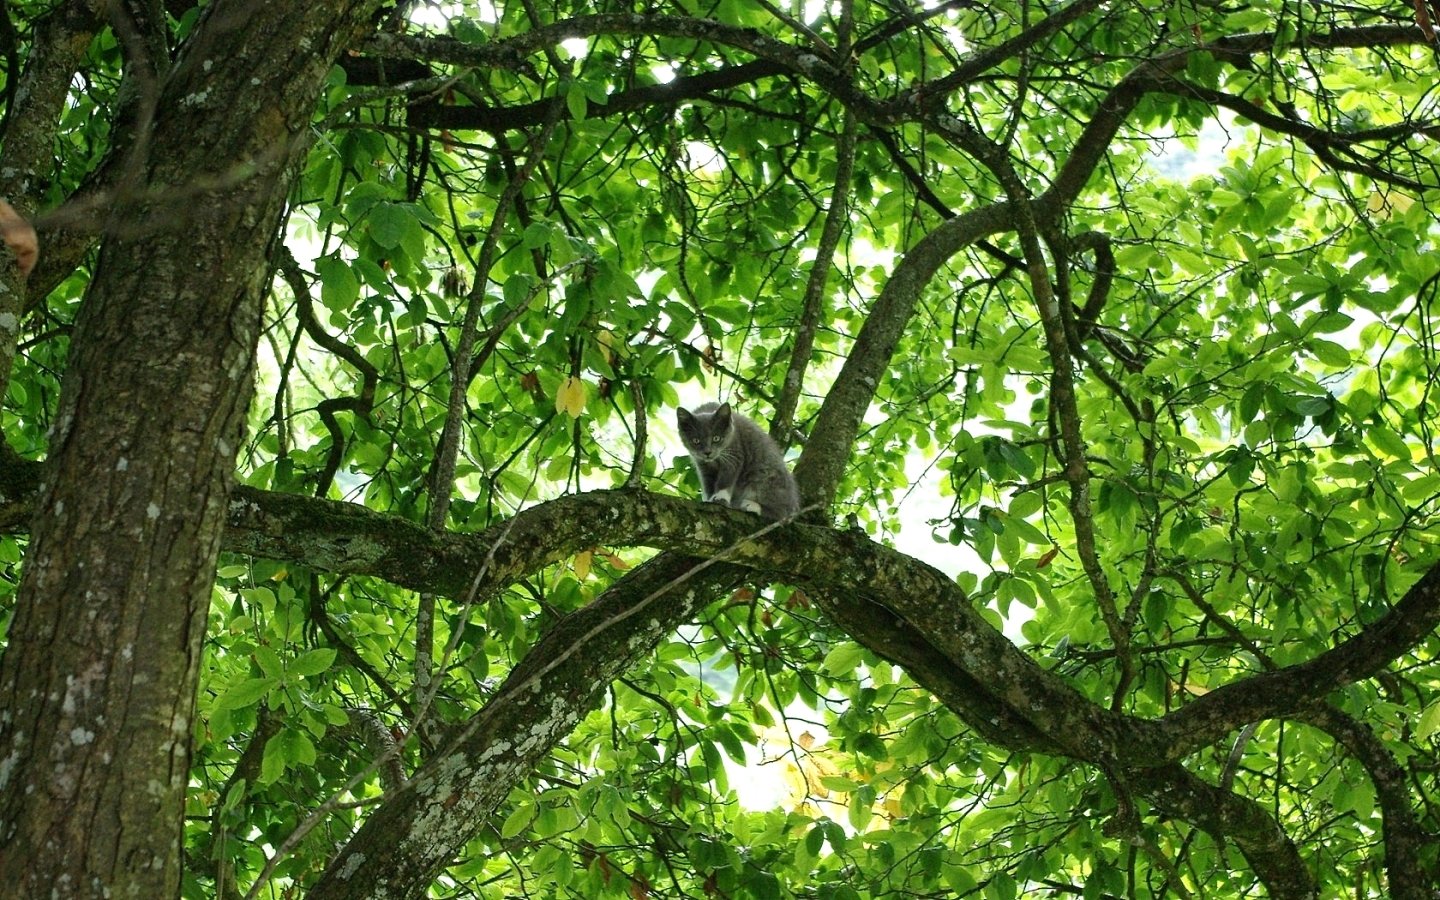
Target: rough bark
column 99, row 676
column 1229, row 816
column 866, row 587
column 61, row 39
column 410, row 838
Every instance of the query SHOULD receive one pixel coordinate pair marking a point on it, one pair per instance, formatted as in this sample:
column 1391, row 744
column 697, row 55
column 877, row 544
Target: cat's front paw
column 720, row 496
column 748, row 506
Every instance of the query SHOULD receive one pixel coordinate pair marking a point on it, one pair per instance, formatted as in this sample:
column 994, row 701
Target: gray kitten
column 737, row 462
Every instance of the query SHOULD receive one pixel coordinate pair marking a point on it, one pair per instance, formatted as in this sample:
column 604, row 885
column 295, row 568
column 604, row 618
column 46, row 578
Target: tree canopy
column 348, row 550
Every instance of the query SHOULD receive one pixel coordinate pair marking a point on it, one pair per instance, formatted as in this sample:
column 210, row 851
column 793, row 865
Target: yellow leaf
column 582, row 564
column 892, row 805
column 1390, row 203
column 570, row 397
column 606, row 340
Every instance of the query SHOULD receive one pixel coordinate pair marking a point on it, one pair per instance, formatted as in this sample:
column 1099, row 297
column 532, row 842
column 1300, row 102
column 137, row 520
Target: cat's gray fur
column 737, row 462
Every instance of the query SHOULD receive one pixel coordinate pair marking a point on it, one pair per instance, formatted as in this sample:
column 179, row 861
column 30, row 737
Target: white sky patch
column 1174, row 159
column 703, row 157
column 759, row 785
column 811, row 10
column 773, row 775
column 663, row 73
column 436, row 15
column 432, row 15
column 577, row 48
column 957, row 40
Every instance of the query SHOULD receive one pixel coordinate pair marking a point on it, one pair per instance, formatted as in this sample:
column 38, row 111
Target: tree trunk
column 98, row 681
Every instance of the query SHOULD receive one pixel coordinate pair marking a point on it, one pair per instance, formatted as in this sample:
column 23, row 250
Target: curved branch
column 513, row 52
column 1404, row 839
column 900, row 608
column 782, row 425
column 498, row 120
column 931, row 94
column 822, row 465
column 410, row 838
column 346, row 538
column 1326, row 145
column 1157, row 75
column 1230, row 816
column 362, row 403
column 1282, row 692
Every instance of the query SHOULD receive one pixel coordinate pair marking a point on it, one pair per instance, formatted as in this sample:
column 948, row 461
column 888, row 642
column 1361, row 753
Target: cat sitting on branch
column 738, row 464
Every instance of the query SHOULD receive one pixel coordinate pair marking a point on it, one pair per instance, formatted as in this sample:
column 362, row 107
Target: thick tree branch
column 409, row 839
column 1229, row 816
column 1404, row 838
column 500, row 120
column 1282, row 692
column 345, row 538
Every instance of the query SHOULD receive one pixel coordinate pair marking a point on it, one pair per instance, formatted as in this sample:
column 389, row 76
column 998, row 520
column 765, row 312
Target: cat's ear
column 683, row 417
column 722, row 412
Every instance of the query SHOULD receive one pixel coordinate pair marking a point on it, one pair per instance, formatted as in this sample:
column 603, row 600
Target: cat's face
column 705, row 433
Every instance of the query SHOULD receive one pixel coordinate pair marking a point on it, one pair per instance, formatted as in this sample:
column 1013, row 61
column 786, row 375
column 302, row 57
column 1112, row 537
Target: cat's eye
column 715, row 439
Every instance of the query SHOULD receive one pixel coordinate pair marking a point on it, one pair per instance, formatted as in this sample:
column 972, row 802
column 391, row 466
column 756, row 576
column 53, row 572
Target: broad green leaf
column 390, row 223
column 1329, row 352
column 339, row 288
column 313, row 662
column 842, row 659
column 246, row 693
column 1429, row 724
column 575, row 102
column 517, row 821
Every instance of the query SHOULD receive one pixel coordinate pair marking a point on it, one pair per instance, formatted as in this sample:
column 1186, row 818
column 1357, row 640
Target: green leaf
column 313, row 662
column 537, row 234
column 1429, row 724
column 390, row 223
column 299, row 749
column 1329, row 353
column 272, row 761
column 734, row 748
column 843, row 659
column 1389, row 443
column 517, row 821
column 575, row 102
column 871, row 746
column 339, row 288
column 1330, row 322
column 1136, row 256
column 246, row 693
column 269, row 662
column 815, row 839
column 517, row 288
column 287, row 748
column 860, row 809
